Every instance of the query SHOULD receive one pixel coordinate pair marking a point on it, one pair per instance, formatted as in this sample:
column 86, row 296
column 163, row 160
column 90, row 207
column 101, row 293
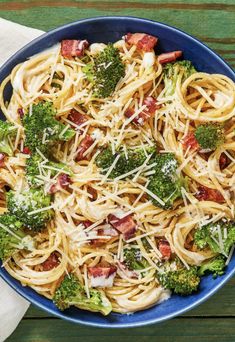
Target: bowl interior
column 111, row 29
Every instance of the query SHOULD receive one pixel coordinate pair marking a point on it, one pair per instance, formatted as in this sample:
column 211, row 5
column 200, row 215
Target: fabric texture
column 12, row 306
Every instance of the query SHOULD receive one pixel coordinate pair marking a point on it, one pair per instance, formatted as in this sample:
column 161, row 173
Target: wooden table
column 214, row 23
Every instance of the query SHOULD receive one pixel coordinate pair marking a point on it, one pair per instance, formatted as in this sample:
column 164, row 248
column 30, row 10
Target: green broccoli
column 181, row 281
column 218, row 236
column 172, row 72
column 134, row 259
column 209, row 136
column 23, row 204
column 165, row 183
column 105, row 72
column 215, row 265
column 12, row 237
column 35, row 166
column 72, row 293
column 7, row 130
column 135, row 158
column 42, row 130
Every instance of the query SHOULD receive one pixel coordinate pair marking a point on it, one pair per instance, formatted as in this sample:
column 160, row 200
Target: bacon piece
column 77, row 118
column 102, row 275
column 143, row 41
column 2, row 159
column 126, row 225
column 84, row 145
column 50, row 263
column 106, row 230
column 169, row 57
column 26, row 150
column 129, row 112
column 191, row 142
column 52, row 189
column 151, row 106
column 207, row 194
column 87, row 223
column 73, row 48
column 165, row 249
column 63, row 182
column 91, row 191
column 20, row 112
column 223, row 161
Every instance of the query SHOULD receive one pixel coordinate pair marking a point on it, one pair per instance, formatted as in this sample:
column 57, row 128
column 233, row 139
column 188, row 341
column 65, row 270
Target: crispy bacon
column 84, row 145
column 223, row 161
column 142, row 41
column 165, row 249
column 102, row 275
column 126, row 225
column 169, row 57
column 190, row 142
column 129, row 112
column 50, row 263
column 87, row 223
column 207, row 194
column 26, row 150
column 52, row 189
column 2, row 159
column 77, row 118
column 63, row 182
column 151, row 106
column 73, row 48
column 106, row 230
column 91, row 191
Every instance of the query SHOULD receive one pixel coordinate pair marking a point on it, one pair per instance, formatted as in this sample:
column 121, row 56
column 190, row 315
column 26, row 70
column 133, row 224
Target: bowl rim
column 19, row 288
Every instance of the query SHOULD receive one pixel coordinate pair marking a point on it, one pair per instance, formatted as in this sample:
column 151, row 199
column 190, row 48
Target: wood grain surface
column 213, row 22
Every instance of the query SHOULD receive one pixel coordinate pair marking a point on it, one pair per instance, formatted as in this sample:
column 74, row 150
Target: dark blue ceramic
column 111, row 29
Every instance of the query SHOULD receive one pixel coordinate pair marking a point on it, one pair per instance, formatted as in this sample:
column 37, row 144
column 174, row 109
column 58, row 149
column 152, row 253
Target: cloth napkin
column 12, row 306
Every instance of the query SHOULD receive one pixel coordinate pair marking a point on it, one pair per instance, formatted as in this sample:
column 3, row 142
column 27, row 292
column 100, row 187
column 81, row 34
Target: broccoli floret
column 134, row 259
column 105, row 72
column 172, row 72
column 72, row 293
column 165, row 183
column 22, row 204
column 135, row 158
column 215, row 265
column 218, row 236
column 42, row 130
column 209, row 136
column 35, row 163
column 7, row 130
column 12, row 237
column 202, row 239
column 181, row 281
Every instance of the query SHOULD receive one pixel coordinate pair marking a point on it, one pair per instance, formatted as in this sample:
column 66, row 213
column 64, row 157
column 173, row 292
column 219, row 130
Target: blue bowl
column 111, row 29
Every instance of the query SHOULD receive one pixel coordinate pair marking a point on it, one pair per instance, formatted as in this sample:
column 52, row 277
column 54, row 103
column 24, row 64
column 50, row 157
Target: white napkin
column 12, row 306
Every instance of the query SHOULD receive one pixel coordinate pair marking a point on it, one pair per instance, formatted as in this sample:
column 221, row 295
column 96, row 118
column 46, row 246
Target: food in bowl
column 117, row 174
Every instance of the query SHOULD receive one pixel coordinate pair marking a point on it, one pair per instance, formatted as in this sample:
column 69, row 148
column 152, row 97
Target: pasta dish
column 117, row 174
